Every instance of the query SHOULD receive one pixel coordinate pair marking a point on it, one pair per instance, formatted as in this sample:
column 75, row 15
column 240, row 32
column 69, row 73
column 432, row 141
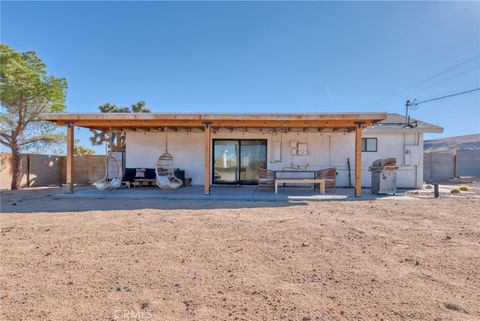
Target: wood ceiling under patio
column 179, row 121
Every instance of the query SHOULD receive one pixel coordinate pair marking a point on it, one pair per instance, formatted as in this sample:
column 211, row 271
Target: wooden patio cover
column 121, row 121
column 158, row 120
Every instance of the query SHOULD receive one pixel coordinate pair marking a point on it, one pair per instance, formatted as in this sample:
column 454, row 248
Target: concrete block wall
column 441, row 166
column 467, row 162
column 87, row 169
column 49, row 170
column 6, row 171
column 42, row 170
column 438, row 166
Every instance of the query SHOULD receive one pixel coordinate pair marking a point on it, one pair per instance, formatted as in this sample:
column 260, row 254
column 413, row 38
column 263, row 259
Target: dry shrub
column 455, row 191
column 463, row 188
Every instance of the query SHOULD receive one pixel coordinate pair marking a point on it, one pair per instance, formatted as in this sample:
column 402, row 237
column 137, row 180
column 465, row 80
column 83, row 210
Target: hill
column 471, row 142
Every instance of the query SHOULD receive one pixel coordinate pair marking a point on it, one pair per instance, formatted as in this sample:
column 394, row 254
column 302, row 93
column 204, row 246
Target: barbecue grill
column 384, row 176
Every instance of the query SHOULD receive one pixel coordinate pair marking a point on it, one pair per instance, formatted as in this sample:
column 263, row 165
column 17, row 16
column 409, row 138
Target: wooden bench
column 137, row 182
column 319, row 181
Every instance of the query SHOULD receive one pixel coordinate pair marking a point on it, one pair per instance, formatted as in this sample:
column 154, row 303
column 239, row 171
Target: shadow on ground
column 86, row 198
column 51, row 200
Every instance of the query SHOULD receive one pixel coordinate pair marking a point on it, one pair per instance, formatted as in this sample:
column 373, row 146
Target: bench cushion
column 150, row 173
column 129, row 174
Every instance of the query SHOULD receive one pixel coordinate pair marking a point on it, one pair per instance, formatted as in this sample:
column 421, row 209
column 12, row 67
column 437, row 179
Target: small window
column 369, row 144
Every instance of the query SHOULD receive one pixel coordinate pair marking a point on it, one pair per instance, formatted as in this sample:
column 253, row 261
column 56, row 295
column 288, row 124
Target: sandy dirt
column 150, row 260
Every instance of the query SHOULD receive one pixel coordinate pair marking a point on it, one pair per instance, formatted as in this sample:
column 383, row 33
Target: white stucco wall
column 325, row 150
column 144, row 148
column 406, row 147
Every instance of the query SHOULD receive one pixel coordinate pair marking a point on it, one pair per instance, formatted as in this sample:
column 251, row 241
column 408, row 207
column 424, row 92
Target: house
column 405, row 143
column 228, row 148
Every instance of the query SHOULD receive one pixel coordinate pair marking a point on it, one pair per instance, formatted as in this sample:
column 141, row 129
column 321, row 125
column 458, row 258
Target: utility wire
column 425, row 80
column 447, row 96
column 446, row 79
column 413, row 104
column 434, row 84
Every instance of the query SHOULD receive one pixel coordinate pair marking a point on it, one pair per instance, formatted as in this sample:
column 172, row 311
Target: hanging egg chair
column 113, row 173
column 164, row 169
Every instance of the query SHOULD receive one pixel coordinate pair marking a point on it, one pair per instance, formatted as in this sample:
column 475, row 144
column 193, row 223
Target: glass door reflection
column 253, row 155
column 235, row 161
column 225, row 161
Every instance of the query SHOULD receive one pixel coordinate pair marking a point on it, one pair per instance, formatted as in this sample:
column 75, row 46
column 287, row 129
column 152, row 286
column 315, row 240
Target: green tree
column 112, row 108
column 80, row 150
column 138, row 107
column 26, row 91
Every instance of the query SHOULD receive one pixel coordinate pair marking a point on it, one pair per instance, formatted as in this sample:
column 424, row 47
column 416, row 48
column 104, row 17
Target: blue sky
column 258, row 56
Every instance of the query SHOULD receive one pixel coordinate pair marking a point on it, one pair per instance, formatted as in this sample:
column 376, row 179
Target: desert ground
column 156, row 260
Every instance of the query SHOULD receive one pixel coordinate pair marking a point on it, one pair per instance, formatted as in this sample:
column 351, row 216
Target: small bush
column 455, row 191
column 463, row 188
column 429, row 186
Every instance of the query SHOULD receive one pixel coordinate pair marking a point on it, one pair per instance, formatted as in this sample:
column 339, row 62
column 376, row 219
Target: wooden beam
column 68, row 186
column 203, row 117
column 358, row 160
column 102, row 123
column 207, row 155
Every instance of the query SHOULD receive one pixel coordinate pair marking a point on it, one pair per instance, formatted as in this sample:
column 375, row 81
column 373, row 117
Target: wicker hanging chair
column 164, row 169
column 113, row 173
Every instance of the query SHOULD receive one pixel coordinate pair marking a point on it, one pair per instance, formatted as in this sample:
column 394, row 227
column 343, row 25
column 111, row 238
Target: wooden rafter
column 119, row 120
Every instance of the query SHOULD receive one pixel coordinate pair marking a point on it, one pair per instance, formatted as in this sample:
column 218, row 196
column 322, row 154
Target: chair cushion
column 140, row 173
column 150, row 173
column 115, row 183
column 101, row 185
column 129, row 174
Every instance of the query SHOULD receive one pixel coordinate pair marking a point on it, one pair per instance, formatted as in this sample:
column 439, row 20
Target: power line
column 413, row 104
column 447, row 96
column 446, row 79
column 434, row 84
column 426, row 80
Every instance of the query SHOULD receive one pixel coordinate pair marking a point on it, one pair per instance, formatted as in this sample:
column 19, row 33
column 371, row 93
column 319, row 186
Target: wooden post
column 358, row 159
column 207, row 151
column 68, row 186
column 28, row 170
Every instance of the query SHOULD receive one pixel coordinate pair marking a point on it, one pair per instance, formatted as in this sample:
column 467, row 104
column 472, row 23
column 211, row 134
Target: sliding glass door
column 253, row 154
column 225, row 161
column 236, row 161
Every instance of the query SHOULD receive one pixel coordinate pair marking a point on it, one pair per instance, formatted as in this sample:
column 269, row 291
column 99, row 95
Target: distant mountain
column 453, row 143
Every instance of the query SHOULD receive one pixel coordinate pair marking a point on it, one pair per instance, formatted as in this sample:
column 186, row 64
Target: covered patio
column 219, row 124
column 229, row 193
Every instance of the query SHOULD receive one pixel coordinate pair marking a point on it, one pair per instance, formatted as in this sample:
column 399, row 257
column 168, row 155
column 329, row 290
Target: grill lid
column 387, row 164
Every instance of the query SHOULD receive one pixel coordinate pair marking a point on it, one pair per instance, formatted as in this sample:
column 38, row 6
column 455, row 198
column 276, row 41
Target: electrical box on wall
column 302, row 149
column 298, row 149
column 293, row 148
column 412, row 155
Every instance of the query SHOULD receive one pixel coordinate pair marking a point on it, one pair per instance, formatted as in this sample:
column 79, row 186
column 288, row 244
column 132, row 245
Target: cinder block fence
column 443, row 165
column 49, row 170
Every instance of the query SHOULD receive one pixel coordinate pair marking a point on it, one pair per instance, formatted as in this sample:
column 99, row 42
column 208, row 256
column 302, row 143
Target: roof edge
column 206, row 116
